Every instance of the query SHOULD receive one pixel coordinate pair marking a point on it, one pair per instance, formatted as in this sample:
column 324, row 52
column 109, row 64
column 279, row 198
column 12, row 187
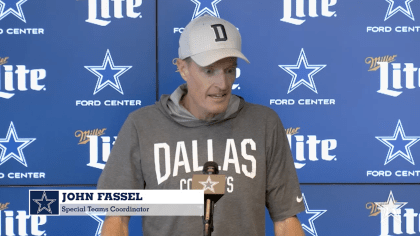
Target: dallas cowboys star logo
column 302, row 73
column 12, row 7
column 44, row 203
column 205, row 6
column 399, row 6
column 108, row 76
column 399, row 144
column 208, row 184
column 309, row 216
column 12, row 146
column 100, row 219
column 390, row 207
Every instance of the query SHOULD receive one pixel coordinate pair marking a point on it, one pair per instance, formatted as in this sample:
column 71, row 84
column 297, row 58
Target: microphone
column 213, row 185
column 210, row 167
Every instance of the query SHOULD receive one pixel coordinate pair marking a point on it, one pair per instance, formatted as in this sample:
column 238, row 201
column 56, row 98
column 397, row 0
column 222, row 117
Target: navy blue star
column 205, row 6
column 100, row 219
column 44, row 203
column 309, row 216
column 399, row 144
column 12, row 6
column 399, row 6
column 107, row 76
column 303, row 75
column 12, row 147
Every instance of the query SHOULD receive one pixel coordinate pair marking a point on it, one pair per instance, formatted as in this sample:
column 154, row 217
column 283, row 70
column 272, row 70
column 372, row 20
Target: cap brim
column 209, row 57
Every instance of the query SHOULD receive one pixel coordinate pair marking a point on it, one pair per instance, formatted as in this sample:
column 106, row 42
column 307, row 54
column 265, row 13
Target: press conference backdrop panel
column 86, row 68
column 316, row 63
column 343, row 77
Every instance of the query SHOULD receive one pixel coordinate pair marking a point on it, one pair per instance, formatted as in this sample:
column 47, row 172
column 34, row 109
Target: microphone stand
column 208, row 210
column 208, row 217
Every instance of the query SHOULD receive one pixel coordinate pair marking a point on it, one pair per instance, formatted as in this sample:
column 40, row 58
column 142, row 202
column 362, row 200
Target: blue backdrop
column 342, row 75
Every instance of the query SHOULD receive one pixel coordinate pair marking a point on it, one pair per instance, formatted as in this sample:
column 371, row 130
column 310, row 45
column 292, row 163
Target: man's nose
column 222, row 81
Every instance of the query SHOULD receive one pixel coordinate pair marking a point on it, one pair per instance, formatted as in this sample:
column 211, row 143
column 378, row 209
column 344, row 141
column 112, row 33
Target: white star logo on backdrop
column 100, row 219
column 403, row 6
column 12, row 146
column 390, row 207
column 208, row 184
column 302, row 73
column 18, row 12
column 42, row 203
column 399, row 144
column 108, row 74
column 201, row 10
column 305, row 216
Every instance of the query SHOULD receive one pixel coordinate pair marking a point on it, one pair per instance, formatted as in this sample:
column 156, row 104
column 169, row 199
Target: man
column 163, row 145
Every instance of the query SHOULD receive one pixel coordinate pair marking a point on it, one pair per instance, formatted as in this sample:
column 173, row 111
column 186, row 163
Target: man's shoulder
column 260, row 110
column 145, row 112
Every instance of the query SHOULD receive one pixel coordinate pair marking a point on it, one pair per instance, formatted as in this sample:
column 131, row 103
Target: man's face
column 210, row 87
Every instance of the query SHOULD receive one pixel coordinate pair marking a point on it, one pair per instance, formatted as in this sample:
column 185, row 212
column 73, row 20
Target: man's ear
column 182, row 68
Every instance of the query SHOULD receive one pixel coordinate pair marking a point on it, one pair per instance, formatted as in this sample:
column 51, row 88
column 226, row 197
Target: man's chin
column 216, row 112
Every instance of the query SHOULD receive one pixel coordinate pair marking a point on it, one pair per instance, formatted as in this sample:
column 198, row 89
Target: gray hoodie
column 161, row 146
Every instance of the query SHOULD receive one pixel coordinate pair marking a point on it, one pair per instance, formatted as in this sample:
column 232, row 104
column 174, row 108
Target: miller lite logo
column 94, row 145
column 15, row 77
column 314, row 147
column 393, row 209
column 3, row 206
column 25, row 223
column 373, row 62
column 98, row 144
column 392, row 85
column 83, row 135
column 130, row 8
column 304, row 8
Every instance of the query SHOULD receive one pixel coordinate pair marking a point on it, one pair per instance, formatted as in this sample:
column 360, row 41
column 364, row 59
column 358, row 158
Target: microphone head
column 210, row 167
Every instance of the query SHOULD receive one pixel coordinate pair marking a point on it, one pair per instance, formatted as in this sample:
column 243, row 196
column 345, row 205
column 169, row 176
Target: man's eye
column 231, row 70
column 208, row 71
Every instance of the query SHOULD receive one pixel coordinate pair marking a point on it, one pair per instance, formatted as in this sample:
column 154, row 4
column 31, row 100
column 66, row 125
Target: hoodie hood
column 169, row 105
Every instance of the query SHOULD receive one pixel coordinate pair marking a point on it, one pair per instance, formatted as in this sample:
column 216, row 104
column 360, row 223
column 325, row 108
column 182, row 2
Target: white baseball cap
column 207, row 39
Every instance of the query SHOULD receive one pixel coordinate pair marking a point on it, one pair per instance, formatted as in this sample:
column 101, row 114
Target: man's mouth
column 218, row 95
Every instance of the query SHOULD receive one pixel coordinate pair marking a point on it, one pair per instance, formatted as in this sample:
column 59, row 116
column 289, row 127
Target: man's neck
column 189, row 105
